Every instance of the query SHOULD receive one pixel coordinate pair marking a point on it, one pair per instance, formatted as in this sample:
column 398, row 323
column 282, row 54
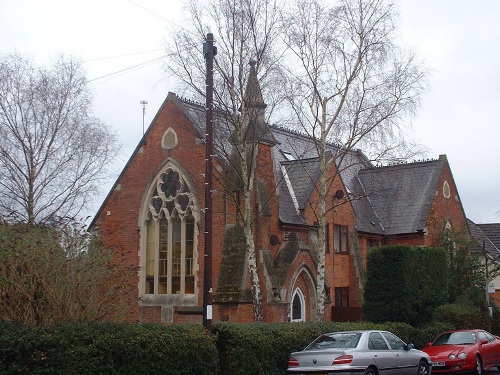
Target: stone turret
column 254, row 112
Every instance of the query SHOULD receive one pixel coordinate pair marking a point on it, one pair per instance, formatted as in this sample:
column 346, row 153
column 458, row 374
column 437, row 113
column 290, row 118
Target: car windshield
column 456, row 338
column 345, row 340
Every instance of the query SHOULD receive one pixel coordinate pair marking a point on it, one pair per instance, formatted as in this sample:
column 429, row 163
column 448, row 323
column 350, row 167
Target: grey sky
column 458, row 39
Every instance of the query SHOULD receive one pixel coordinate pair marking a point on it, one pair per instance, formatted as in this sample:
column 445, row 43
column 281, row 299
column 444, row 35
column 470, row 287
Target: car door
column 382, row 356
column 487, row 348
column 406, row 362
column 495, row 344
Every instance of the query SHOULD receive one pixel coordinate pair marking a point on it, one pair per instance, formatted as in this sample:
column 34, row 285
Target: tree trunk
column 322, row 191
column 247, row 176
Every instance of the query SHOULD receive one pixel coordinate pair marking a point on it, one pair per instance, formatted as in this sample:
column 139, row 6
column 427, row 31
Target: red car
column 466, row 351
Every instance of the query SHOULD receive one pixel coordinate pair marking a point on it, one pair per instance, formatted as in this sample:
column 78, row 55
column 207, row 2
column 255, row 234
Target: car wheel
column 423, row 368
column 370, row 371
column 478, row 367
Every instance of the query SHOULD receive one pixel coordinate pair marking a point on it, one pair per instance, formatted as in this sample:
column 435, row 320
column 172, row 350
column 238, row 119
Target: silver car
column 359, row 352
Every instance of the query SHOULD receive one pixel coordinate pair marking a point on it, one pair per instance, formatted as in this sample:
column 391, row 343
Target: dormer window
column 288, row 155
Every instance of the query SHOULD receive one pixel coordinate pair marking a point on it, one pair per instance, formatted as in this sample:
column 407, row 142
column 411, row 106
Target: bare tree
column 246, row 30
column 350, row 84
column 53, row 152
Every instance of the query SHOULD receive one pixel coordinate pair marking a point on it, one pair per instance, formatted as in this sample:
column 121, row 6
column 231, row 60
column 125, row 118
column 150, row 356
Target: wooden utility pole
column 209, row 51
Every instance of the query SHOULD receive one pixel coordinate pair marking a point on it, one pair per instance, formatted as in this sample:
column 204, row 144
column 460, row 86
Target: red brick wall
column 343, row 271
column 118, row 217
column 417, row 239
column 443, row 208
column 120, row 227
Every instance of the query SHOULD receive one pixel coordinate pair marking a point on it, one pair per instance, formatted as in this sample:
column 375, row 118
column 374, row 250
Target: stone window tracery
column 170, row 251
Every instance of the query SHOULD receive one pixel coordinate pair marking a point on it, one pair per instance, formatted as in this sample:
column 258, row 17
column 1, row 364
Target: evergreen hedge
column 264, row 348
column 110, row 348
column 231, row 349
column 405, row 284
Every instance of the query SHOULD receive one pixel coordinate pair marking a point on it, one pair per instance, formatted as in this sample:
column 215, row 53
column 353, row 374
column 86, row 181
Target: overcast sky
column 458, row 39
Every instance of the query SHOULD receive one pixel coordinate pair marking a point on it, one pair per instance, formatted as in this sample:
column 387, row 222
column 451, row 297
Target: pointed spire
column 253, row 111
column 253, row 93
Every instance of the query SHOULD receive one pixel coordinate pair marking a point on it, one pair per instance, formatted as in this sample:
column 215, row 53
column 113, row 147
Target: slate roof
column 386, row 200
column 367, row 220
column 492, row 231
column 401, row 195
column 302, row 175
column 303, row 172
column 487, row 235
column 194, row 111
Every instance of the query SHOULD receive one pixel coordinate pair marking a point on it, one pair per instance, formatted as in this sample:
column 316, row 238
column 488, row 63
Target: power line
column 137, row 66
column 124, row 55
column 149, row 11
column 127, row 69
column 158, row 15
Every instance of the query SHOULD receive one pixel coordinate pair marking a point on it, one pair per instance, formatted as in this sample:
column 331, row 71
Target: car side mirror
column 484, row 342
column 409, row 346
column 428, row 343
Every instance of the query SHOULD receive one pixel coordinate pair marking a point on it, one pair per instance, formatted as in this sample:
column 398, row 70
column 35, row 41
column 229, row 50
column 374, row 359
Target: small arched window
column 298, row 307
column 446, row 189
column 169, row 140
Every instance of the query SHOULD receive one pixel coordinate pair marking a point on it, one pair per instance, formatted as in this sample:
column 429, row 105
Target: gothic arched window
column 298, row 306
column 170, row 252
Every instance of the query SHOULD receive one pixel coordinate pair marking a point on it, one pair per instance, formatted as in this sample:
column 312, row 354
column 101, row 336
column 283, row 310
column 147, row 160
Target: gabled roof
column 386, row 200
column 297, row 154
column 367, row 220
column 401, row 195
column 170, row 96
column 486, row 237
column 303, row 175
column 492, row 231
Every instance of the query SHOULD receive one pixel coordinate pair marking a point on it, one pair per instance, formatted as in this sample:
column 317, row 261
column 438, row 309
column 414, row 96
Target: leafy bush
column 264, row 348
column 106, row 349
column 462, row 316
column 233, row 349
column 403, row 330
column 495, row 321
column 428, row 332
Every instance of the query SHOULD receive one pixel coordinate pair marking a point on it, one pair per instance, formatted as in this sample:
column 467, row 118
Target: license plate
column 438, row 364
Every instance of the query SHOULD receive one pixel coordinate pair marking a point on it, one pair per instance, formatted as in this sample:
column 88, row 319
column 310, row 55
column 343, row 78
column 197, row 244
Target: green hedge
column 264, row 348
column 462, row 316
column 106, row 349
column 405, row 284
column 232, row 349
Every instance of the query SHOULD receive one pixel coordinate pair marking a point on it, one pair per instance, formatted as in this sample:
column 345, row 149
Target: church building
column 153, row 218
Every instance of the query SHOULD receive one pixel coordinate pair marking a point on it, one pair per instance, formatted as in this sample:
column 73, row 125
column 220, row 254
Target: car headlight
column 451, row 356
column 461, row 355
